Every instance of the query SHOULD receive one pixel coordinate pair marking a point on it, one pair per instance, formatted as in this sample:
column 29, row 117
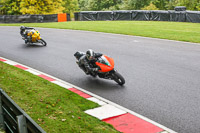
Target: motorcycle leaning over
column 31, row 36
column 105, row 66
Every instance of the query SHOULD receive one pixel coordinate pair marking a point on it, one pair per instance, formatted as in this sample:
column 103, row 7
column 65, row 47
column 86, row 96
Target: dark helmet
column 90, row 54
column 22, row 27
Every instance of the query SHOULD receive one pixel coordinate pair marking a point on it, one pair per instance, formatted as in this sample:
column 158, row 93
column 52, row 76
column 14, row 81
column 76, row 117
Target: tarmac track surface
column 162, row 77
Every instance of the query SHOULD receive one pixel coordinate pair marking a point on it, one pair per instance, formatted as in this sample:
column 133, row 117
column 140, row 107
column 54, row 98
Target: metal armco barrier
column 13, row 119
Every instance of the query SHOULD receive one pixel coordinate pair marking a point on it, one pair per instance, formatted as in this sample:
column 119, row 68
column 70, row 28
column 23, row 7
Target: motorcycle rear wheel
column 43, row 42
column 118, row 78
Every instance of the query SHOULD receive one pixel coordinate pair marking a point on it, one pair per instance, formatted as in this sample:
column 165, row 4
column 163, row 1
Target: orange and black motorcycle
column 106, row 68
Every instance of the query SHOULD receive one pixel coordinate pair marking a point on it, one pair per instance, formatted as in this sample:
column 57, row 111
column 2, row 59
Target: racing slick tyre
column 118, row 78
column 43, row 42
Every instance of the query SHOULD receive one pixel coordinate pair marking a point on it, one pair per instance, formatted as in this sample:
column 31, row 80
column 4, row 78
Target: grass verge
column 54, row 108
column 180, row 31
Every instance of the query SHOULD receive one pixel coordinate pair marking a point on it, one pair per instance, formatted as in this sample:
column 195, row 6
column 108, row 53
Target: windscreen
column 103, row 60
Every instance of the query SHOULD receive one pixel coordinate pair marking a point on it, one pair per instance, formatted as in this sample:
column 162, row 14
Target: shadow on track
column 32, row 46
column 98, row 83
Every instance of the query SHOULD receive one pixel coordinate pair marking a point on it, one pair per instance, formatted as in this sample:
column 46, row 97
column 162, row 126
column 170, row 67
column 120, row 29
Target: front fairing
column 35, row 34
column 105, row 63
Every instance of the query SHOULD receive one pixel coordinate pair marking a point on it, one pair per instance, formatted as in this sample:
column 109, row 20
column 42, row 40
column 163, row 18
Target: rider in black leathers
column 24, row 32
column 87, row 62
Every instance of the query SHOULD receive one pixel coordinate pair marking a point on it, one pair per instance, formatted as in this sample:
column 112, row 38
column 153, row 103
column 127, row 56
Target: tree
column 9, row 7
column 134, row 4
column 190, row 5
column 150, row 7
column 83, row 5
column 70, row 6
column 15, row 7
column 161, row 4
column 97, row 5
column 41, row 6
column 172, row 4
column 198, row 6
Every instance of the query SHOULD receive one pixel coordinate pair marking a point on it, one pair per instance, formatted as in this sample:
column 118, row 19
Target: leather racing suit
column 89, row 66
column 24, row 33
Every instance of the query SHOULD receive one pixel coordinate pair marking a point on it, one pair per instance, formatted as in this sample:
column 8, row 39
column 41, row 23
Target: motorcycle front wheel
column 43, row 42
column 118, row 78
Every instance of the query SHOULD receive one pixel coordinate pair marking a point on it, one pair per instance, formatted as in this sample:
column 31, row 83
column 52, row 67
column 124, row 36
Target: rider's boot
column 26, row 41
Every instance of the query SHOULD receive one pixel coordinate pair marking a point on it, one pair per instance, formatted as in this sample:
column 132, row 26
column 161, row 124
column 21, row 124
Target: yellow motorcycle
column 33, row 36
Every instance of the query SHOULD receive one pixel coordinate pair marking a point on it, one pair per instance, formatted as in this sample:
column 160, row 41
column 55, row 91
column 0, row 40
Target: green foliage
column 190, row 4
column 41, row 6
column 9, row 7
column 150, row 7
column 101, row 4
column 70, row 6
column 171, row 4
column 97, row 5
column 134, row 4
column 198, row 6
column 161, row 4
column 83, row 5
column 15, row 7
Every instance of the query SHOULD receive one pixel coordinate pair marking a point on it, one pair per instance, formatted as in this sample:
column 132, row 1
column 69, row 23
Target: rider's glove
column 95, row 69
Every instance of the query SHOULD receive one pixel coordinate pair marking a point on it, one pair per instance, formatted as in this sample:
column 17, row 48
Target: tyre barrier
column 34, row 18
column 177, row 15
column 13, row 119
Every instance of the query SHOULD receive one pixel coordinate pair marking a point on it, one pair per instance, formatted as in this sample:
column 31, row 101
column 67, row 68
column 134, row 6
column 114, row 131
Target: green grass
column 54, row 108
column 181, row 31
